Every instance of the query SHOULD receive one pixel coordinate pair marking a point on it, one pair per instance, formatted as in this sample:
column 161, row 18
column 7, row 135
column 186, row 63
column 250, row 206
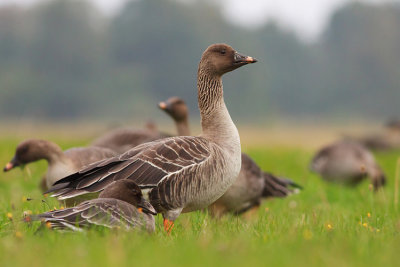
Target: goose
column 120, row 205
column 393, row 124
column 177, row 109
column 387, row 139
column 122, row 139
column 252, row 184
column 348, row 163
column 179, row 174
column 60, row 163
column 250, row 188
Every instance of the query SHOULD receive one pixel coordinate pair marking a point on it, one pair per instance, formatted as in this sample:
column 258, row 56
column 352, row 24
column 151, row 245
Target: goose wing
column 147, row 165
column 106, row 212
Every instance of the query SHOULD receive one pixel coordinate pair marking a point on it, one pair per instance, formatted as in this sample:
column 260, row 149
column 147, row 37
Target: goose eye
column 223, row 52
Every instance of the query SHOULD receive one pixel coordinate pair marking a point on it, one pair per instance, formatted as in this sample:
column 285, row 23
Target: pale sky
column 306, row 17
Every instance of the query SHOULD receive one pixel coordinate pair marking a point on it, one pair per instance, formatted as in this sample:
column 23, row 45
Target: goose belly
column 211, row 185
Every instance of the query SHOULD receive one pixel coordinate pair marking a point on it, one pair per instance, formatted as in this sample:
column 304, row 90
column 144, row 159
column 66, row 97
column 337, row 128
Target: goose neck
column 216, row 122
column 183, row 127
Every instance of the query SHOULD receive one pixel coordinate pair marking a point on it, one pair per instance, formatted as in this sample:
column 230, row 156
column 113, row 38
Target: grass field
column 324, row 225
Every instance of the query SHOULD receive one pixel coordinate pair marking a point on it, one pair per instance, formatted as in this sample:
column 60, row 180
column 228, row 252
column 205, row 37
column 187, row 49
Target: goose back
column 123, row 139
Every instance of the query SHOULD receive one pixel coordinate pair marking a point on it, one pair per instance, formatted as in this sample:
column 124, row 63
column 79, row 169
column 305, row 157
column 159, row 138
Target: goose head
column 128, row 191
column 31, row 150
column 222, row 58
column 175, row 107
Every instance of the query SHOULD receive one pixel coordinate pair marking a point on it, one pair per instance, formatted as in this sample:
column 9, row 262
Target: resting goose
column 387, row 139
column 180, row 174
column 347, row 162
column 60, row 164
column 120, row 205
column 393, row 125
column 251, row 187
column 123, row 139
column 252, row 184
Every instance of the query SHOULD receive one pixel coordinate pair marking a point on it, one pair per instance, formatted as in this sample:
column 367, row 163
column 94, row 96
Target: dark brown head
column 128, row 191
column 176, row 108
column 219, row 59
column 32, row 150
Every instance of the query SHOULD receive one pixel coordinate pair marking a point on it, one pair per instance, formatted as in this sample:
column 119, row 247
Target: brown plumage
column 252, row 184
column 120, row 205
column 123, row 139
column 387, row 139
column 60, row 163
column 348, row 163
column 182, row 173
column 250, row 188
column 176, row 108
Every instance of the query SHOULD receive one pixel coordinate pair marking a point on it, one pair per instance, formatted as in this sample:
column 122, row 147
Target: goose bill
column 242, row 59
column 147, row 207
column 162, row 105
column 12, row 164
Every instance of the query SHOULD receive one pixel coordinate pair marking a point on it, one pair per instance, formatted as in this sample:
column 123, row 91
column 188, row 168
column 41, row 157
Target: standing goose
column 120, row 205
column 60, row 164
column 349, row 163
column 181, row 174
column 177, row 109
column 252, row 184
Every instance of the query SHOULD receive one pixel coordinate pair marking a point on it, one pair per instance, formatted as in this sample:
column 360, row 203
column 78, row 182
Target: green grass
column 324, row 225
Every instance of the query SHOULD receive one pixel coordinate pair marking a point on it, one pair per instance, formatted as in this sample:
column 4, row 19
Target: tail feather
column 278, row 187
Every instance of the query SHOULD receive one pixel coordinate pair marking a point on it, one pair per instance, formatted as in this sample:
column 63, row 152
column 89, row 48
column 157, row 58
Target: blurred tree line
column 65, row 59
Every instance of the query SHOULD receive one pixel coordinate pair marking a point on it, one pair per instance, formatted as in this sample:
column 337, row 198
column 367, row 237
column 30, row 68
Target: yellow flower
column 365, row 225
column 266, row 209
column 62, row 207
column 9, row 215
column 48, row 225
column 378, row 230
column 24, row 199
column 329, row 226
column 369, row 215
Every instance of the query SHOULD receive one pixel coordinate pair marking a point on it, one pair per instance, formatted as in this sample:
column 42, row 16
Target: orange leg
column 168, row 225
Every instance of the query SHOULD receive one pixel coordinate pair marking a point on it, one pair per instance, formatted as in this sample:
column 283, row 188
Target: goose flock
column 128, row 176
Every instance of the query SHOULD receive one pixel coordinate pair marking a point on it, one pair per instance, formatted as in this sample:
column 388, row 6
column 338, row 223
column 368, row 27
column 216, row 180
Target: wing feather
column 104, row 212
column 147, row 164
